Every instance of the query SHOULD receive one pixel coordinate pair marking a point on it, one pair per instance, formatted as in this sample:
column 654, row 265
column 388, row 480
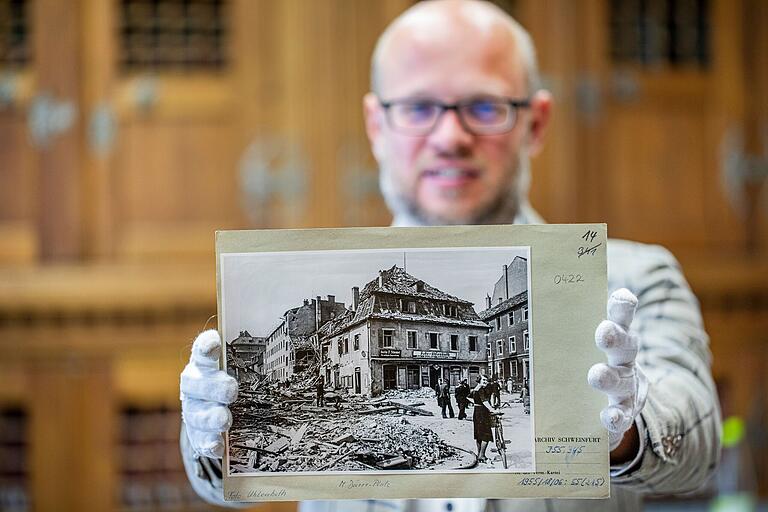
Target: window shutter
column 381, row 337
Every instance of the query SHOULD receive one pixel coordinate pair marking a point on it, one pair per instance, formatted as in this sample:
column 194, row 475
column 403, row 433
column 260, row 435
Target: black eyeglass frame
column 514, row 103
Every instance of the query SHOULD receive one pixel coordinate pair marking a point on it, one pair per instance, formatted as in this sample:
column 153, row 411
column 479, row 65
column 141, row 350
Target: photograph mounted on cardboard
column 434, row 362
column 379, row 360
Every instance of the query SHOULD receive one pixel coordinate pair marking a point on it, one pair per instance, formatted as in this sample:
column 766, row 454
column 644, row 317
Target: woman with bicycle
column 482, row 416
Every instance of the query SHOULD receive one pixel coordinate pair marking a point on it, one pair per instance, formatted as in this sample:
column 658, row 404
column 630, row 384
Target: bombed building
column 245, row 355
column 402, row 333
column 289, row 347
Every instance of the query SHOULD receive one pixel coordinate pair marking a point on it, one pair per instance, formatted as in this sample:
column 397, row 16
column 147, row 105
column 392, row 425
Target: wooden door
column 254, row 120
column 667, row 92
column 40, row 133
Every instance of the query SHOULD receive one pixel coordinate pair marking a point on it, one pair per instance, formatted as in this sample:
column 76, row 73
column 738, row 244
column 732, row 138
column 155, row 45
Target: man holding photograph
column 454, row 115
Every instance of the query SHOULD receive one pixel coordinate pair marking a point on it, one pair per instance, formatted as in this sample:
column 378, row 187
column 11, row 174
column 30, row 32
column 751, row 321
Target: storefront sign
column 389, row 352
column 434, row 354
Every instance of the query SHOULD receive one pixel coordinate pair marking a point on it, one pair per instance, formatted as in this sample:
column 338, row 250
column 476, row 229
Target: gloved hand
column 205, row 393
column 621, row 379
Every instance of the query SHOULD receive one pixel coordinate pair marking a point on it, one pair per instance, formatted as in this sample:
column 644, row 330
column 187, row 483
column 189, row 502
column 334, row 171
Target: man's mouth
column 450, row 176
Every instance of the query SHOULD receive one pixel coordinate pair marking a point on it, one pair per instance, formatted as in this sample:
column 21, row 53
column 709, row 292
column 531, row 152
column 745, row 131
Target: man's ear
column 373, row 122
column 541, row 108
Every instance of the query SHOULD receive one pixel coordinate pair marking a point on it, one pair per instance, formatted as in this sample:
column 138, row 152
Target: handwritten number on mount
column 589, row 236
column 589, row 250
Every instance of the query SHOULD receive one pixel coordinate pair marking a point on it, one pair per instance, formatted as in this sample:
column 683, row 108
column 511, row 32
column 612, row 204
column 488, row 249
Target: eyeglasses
column 478, row 116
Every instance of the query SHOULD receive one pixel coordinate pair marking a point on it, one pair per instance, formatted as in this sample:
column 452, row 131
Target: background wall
column 131, row 129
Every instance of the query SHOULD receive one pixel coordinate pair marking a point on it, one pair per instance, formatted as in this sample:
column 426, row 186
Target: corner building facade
column 403, row 334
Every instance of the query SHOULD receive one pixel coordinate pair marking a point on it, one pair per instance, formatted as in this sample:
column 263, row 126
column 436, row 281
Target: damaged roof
column 510, row 303
column 382, row 299
column 396, row 280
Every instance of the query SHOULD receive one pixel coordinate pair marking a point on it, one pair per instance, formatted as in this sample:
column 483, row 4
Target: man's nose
column 449, row 135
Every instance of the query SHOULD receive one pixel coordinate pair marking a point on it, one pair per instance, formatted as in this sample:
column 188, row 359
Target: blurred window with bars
column 173, row 35
column 659, row 33
column 151, row 470
column 14, row 492
column 15, row 47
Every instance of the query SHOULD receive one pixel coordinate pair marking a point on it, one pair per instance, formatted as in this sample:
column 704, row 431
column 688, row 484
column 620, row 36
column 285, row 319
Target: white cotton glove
column 205, row 393
column 621, row 379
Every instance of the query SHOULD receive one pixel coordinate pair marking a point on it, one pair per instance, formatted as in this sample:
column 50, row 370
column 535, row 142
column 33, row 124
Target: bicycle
column 498, row 436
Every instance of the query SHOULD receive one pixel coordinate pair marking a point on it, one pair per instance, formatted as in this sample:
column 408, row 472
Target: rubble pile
column 394, row 434
column 281, row 429
column 399, row 394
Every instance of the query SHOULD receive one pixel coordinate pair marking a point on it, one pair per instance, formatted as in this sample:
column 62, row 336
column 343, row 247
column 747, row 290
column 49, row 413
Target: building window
column 449, row 310
column 411, row 306
column 357, row 342
column 433, row 340
column 340, row 346
column 488, row 347
column 387, row 335
column 513, row 369
column 498, row 323
column 472, row 343
column 511, row 318
column 499, row 347
column 526, row 341
column 411, row 339
column 525, row 313
column 512, row 345
column 454, row 342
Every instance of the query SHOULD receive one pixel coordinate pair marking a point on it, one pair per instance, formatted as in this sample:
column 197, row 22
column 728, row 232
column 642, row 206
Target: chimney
column 306, row 302
column 506, row 281
column 318, row 313
column 500, row 299
column 355, row 298
column 332, row 299
column 381, row 279
column 487, row 302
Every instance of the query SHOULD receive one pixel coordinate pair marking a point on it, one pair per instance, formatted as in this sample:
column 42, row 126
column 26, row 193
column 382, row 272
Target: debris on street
column 280, row 428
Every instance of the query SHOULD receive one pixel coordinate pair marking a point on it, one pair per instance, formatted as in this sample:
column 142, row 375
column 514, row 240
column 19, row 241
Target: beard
column 502, row 209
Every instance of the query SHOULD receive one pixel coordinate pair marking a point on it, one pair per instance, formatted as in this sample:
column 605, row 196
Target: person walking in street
column 495, row 387
column 462, row 398
column 445, row 397
column 320, row 387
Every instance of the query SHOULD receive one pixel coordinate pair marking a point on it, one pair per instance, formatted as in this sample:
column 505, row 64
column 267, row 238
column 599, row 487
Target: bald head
column 438, row 23
column 475, row 63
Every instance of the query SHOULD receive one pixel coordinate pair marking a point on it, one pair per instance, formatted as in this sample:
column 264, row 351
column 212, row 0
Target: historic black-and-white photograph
column 379, row 360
